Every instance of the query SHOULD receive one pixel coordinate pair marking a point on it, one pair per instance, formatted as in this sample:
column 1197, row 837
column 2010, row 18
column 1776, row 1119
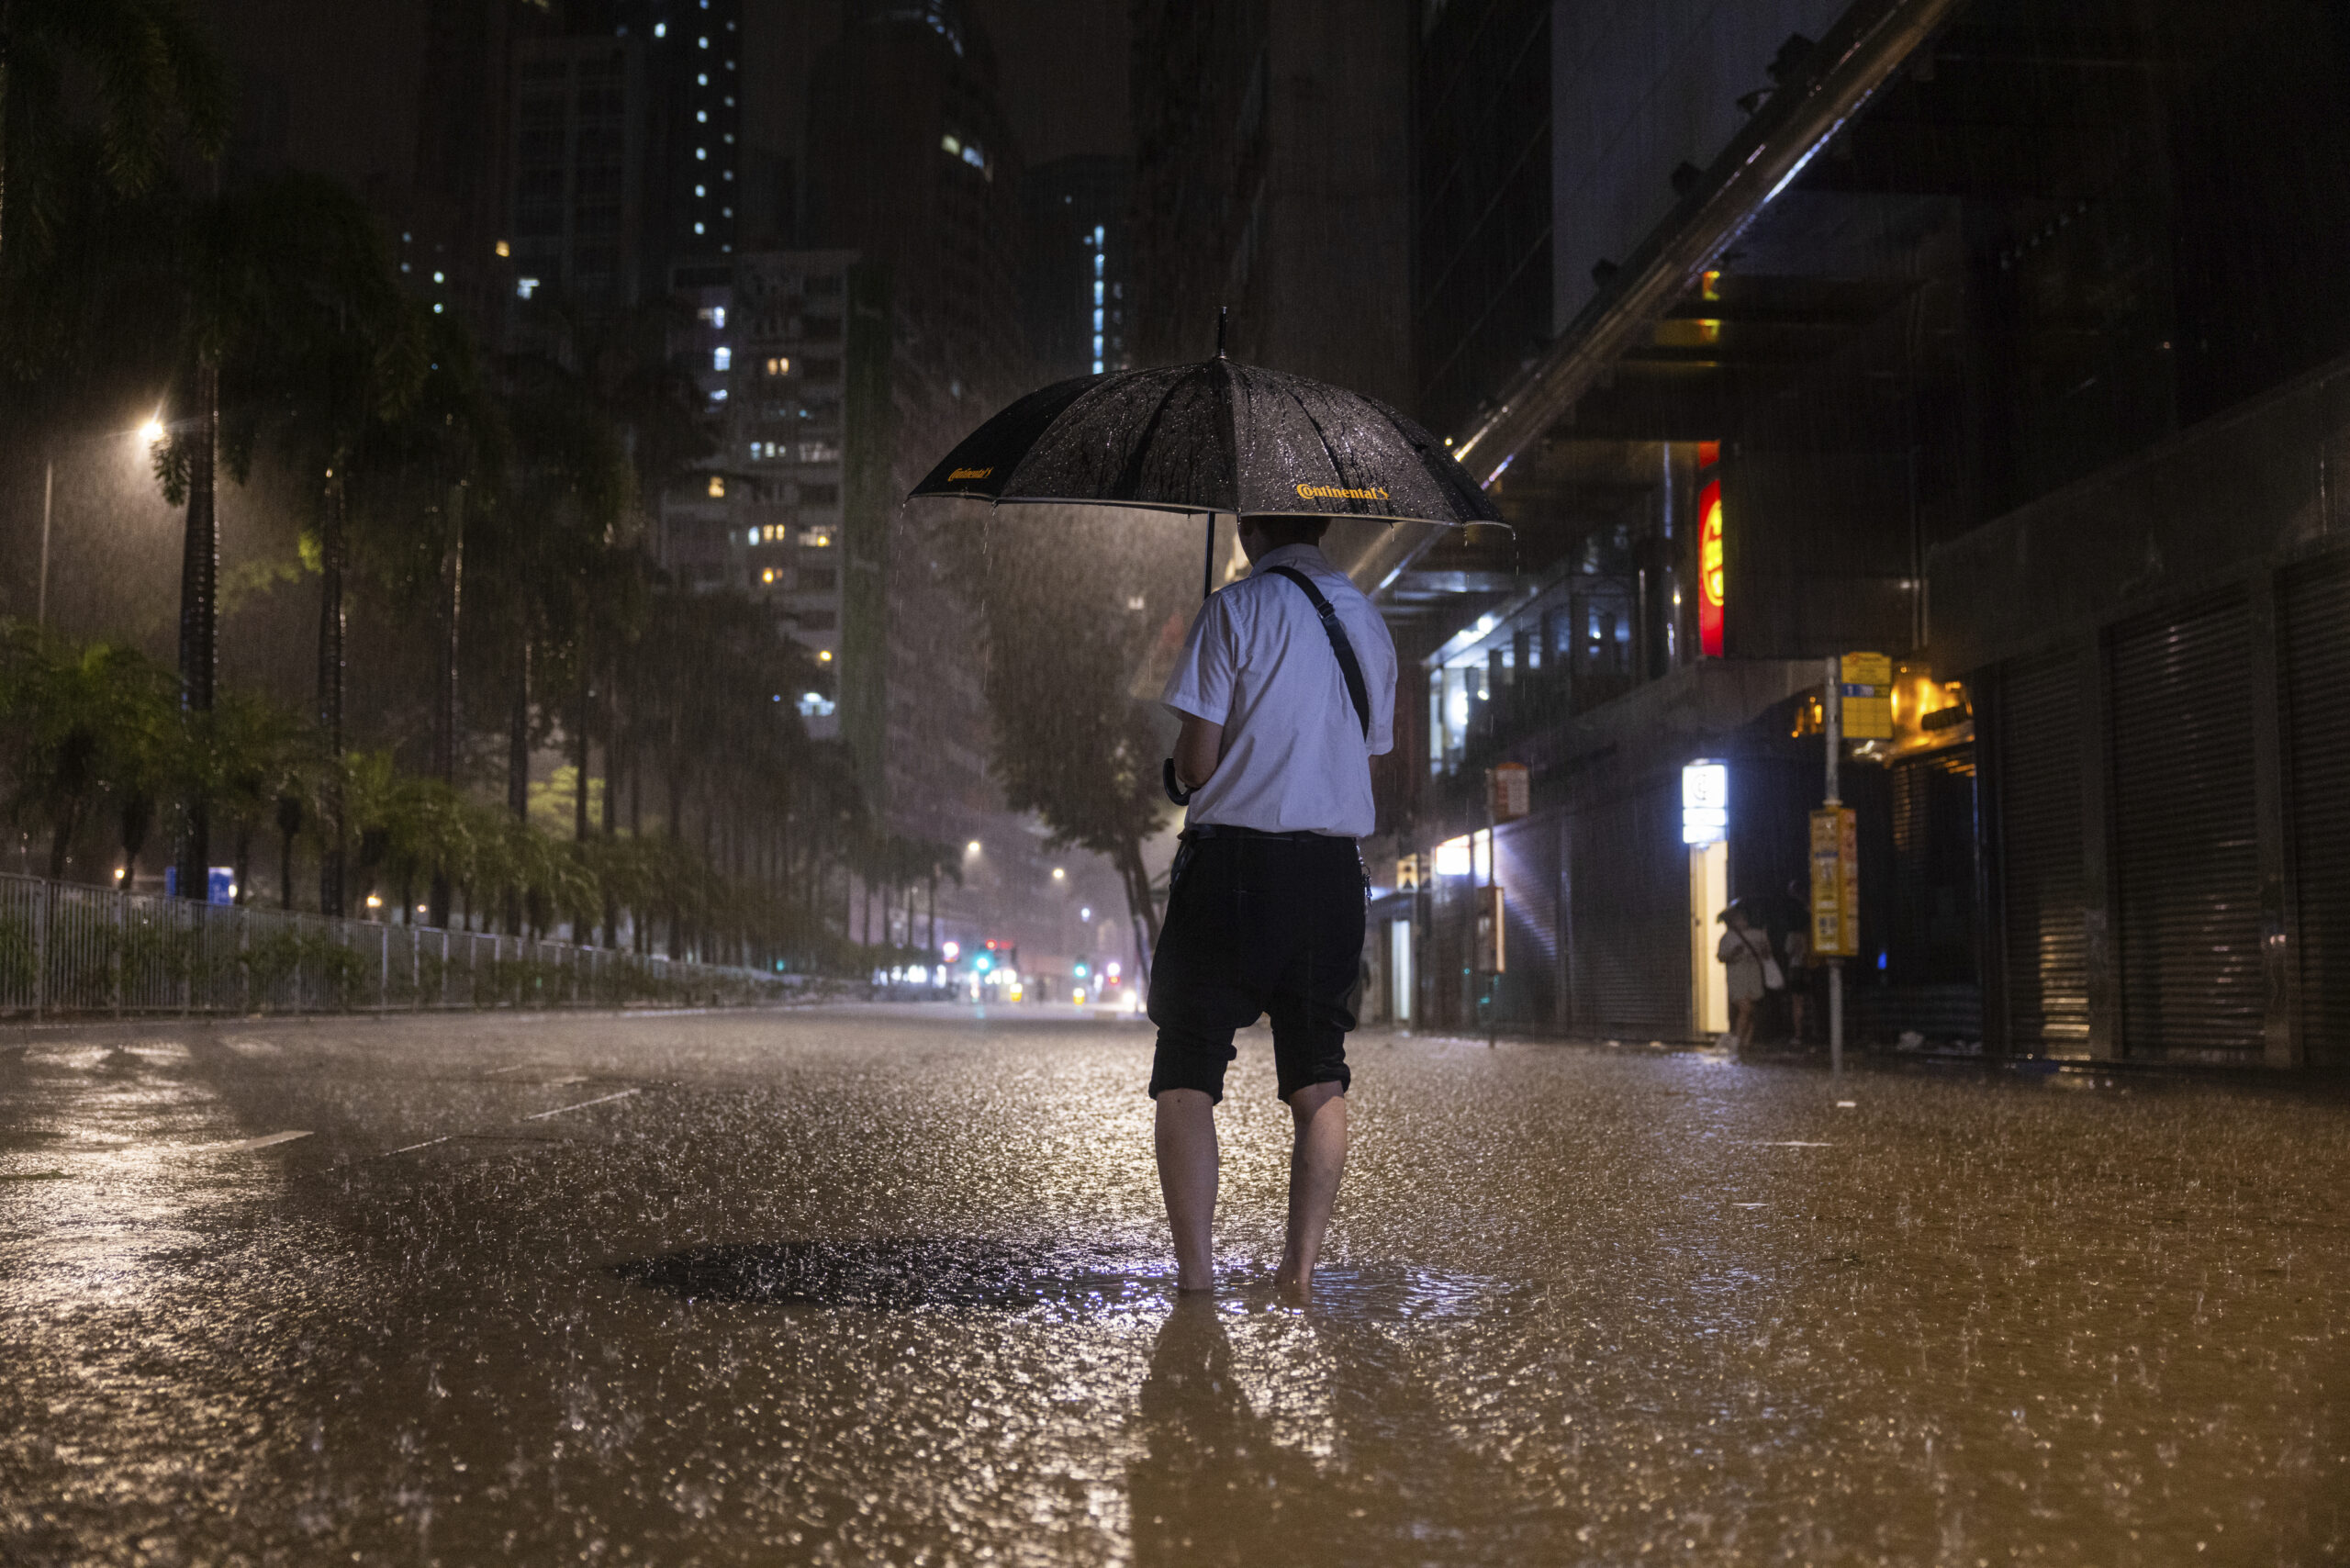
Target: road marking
column 559, row 1110
column 1790, row 1143
column 428, row 1143
column 517, row 1066
column 1746, row 1205
column 246, row 1145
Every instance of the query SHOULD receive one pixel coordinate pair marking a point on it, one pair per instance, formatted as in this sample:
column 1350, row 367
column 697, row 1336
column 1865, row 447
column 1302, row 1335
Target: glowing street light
column 151, row 432
column 1059, row 874
column 972, row 847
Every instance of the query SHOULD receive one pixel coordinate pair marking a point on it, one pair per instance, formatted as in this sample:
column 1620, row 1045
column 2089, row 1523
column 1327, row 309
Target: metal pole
column 48, row 494
column 1207, row 566
column 1833, row 711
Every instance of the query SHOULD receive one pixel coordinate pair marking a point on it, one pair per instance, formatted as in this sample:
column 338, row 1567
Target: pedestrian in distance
column 1286, row 689
column 1752, row 972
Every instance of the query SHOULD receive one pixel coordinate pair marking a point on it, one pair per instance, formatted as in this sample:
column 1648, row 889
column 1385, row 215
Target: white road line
column 1790, row 1143
column 428, row 1143
column 249, row 1143
column 559, row 1110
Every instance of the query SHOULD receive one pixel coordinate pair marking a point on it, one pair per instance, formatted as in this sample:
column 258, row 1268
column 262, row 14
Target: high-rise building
column 911, row 165
column 625, row 153
column 1077, row 264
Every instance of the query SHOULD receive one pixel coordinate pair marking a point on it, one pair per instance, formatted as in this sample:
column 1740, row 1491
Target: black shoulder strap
column 1347, row 665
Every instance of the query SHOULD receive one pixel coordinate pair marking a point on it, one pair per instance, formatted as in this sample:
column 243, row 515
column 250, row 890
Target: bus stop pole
column 1833, row 714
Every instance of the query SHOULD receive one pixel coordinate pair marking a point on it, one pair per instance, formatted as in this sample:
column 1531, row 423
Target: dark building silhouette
column 1272, row 176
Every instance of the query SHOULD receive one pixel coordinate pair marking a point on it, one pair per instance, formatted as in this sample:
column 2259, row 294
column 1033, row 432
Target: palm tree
column 295, row 326
column 153, row 68
column 86, row 723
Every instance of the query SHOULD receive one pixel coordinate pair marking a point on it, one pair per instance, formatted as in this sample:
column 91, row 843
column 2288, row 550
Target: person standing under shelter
column 1266, row 898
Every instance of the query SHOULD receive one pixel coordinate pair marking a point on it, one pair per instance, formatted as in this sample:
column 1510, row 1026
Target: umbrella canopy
column 1214, row 437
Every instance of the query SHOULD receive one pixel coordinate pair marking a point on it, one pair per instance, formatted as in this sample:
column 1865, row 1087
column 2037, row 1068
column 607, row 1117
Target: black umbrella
column 1214, row 437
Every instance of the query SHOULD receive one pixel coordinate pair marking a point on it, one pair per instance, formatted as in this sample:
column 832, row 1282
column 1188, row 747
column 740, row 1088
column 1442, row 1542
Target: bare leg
column 1741, row 1023
column 1317, row 1159
column 1185, row 1134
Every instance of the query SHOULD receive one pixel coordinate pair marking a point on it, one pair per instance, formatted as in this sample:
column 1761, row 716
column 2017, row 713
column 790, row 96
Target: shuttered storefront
column 2186, row 850
column 1628, row 891
column 2045, row 937
column 1527, row 865
column 1931, row 976
column 2313, row 605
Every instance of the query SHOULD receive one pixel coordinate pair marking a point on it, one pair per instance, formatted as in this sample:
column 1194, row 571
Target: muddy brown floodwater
column 890, row 1286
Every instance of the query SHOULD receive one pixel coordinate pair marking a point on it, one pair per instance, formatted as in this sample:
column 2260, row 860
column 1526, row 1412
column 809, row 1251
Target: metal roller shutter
column 2313, row 602
column 1527, row 865
column 2187, row 858
column 1627, row 880
column 2039, row 717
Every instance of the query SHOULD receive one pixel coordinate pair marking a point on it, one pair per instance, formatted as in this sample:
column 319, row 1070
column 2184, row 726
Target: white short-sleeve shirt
column 1259, row 662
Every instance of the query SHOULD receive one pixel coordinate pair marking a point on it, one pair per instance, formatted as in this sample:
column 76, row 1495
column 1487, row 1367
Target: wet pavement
column 887, row 1285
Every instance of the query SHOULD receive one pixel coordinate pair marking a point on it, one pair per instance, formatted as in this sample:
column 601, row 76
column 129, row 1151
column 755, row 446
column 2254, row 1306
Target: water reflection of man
column 1212, row 1485
column 1265, row 907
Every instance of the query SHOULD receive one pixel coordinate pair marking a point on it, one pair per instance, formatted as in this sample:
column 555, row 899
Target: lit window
column 975, row 157
column 768, row 576
column 824, row 656
column 660, row 29
column 700, row 191
column 403, row 266
column 701, row 152
column 440, row 278
column 816, row 538
column 1097, row 321
column 950, row 144
column 1097, row 263
column 702, row 80
column 1097, row 367
column 701, row 43
column 754, row 536
column 526, row 287
column 1097, row 293
column 436, row 308
column 698, row 228
column 726, row 212
column 721, row 358
column 1452, row 857
column 816, row 705
column 719, row 395
column 1098, row 232
column 702, row 116
column 718, row 486
column 504, row 249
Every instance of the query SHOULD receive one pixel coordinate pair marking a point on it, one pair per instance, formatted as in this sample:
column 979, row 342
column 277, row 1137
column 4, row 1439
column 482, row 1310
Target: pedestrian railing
column 66, row 950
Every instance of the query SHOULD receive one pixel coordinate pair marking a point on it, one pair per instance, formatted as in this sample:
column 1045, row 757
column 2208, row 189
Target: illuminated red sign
column 1710, row 569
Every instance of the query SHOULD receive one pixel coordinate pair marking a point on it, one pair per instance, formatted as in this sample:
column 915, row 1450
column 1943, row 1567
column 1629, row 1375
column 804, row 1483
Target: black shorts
column 1258, row 925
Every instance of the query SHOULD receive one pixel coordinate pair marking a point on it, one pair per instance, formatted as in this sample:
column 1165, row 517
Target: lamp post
column 149, row 433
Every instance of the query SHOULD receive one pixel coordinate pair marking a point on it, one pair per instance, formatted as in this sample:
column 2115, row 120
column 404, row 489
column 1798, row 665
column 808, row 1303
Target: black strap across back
column 1349, row 665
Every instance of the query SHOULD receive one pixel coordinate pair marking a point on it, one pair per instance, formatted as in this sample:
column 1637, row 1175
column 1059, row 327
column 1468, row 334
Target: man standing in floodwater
column 1266, row 902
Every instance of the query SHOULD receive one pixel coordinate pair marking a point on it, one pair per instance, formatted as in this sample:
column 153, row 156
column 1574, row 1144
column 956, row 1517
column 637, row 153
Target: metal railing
column 67, row 949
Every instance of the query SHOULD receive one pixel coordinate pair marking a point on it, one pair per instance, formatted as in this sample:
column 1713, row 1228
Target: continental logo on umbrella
column 960, row 475
column 1335, row 493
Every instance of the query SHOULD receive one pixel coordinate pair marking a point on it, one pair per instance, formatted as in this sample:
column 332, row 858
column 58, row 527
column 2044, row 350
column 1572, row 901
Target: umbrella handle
column 1207, row 567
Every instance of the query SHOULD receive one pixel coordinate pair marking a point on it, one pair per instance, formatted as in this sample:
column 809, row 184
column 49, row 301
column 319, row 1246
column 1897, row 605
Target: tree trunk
column 1140, row 905
column 518, row 771
column 444, row 705
column 199, row 606
column 611, row 818
column 333, row 830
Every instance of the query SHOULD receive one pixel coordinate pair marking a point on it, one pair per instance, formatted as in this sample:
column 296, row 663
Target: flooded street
column 890, row 1286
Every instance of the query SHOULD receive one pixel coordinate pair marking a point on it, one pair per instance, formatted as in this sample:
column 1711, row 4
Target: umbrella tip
column 1222, row 321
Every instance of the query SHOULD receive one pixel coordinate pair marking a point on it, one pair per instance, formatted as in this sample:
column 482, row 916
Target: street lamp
column 150, row 434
